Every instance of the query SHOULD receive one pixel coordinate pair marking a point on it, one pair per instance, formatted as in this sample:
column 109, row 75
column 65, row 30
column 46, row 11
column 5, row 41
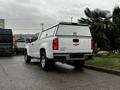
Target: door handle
column 76, row 40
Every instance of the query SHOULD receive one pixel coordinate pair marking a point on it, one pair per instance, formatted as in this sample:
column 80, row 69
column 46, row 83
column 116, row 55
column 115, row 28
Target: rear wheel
column 27, row 58
column 45, row 62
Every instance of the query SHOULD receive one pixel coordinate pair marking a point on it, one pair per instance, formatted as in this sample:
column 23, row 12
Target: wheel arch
column 48, row 53
column 42, row 50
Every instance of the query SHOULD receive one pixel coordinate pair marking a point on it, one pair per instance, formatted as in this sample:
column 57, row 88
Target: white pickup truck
column 65, row 42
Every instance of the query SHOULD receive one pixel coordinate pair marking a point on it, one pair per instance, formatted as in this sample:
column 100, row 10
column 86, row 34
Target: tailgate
column 75, row 44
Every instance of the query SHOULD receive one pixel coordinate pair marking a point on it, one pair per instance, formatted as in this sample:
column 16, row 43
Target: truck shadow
column 60, row 67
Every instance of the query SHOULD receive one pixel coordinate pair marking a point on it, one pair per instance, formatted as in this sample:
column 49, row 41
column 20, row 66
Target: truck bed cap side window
column 48, row 33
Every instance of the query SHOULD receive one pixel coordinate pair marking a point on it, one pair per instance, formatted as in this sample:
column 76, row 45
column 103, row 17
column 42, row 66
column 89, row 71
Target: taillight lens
column 55, row 44
column 93, row 44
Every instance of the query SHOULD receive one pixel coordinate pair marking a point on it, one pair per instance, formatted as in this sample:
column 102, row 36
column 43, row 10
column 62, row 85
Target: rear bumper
column 71, row 56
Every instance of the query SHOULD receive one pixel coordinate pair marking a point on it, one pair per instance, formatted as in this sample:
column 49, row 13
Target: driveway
column 16, row 75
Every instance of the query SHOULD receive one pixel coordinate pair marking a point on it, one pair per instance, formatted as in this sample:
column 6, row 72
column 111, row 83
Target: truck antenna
column 42, row 24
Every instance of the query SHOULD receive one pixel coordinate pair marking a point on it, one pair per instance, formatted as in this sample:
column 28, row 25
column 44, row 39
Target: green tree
column 99, row 21
column 116, row 28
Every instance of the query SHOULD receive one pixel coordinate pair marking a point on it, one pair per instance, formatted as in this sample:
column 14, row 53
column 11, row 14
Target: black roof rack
column 73, row 23
column 66, row 23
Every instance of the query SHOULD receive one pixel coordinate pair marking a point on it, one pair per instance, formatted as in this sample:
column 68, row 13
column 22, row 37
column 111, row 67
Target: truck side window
column 35, row 37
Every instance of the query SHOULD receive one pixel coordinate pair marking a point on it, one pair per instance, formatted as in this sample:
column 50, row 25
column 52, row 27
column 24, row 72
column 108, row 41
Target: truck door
column 34, row 45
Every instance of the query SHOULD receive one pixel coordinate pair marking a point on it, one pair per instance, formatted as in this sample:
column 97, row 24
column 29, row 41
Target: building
column 23, row 36
column 2, row 23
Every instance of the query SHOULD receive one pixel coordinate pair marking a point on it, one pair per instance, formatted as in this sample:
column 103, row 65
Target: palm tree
column 116, row 26
column 99, row 21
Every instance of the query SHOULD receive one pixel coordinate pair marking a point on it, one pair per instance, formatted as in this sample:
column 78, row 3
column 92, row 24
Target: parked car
column 20, row 46
column 65, row 42
column 6, row 42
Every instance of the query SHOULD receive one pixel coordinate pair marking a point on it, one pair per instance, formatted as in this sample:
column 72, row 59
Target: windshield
column 73, row 30
column 5, row 38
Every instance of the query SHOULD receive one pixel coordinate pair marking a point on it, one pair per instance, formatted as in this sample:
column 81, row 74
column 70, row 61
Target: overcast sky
column 25, row 16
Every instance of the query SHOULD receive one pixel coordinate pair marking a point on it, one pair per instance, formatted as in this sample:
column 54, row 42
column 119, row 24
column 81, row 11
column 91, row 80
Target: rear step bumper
column 72, row 56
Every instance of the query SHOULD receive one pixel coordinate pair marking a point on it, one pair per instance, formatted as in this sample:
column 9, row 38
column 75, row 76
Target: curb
column 102, row 70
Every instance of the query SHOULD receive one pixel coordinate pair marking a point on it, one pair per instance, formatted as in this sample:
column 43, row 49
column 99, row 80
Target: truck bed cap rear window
column 73, row 30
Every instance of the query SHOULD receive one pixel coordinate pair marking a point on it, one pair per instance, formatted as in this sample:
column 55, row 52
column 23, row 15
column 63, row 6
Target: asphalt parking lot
column 16, row 75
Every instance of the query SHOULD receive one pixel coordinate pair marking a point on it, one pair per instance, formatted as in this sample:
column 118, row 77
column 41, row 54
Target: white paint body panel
column 64, row 33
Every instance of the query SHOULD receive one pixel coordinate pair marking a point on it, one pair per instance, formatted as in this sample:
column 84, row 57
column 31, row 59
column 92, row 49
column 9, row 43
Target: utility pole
column 42, row 24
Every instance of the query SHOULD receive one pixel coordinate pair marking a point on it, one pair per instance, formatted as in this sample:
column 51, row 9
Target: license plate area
column 76, row 55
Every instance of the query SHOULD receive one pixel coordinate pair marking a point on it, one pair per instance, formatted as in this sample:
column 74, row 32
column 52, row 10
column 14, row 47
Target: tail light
column 93, row 44
column 55, row 44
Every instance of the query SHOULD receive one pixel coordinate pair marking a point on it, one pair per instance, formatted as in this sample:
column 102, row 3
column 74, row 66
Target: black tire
column 27, row 58
column 45, row 63
column 79, row 64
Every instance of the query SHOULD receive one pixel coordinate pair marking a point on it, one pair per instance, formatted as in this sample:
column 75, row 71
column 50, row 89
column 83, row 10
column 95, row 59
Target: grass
column 111, row 62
